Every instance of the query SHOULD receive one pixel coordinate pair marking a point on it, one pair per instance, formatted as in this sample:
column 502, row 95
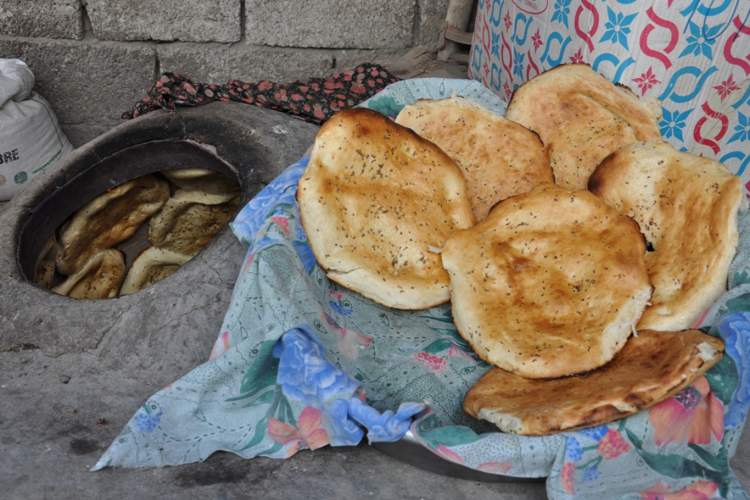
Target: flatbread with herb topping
column 551, row 283
column 582, row 117
column 686, row 207
column 498, row 157
column 377, row 203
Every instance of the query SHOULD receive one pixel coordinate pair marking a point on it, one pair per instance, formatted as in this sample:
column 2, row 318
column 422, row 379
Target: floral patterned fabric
column 297, row 353
column 308, row 379
column 314, row 100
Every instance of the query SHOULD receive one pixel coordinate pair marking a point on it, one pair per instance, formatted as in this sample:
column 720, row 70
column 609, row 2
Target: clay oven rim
column 95, row 179
column 252, row 145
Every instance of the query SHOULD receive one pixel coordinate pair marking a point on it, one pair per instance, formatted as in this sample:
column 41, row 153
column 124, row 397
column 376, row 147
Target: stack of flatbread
column 201, row 206
column 180, row 224
column 86, row 253
column 576, row 247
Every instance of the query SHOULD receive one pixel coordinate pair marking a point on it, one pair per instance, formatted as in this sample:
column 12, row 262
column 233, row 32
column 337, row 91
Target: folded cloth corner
column 309, row 380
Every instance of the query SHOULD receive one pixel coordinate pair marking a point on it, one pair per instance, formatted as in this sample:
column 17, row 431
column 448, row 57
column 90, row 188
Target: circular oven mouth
column 52, row 251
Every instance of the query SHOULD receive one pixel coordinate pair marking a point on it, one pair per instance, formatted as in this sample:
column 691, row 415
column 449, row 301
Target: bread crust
column 686, row 207
column 109, row 219
column 207, row 181
column 582, row 117
column 190, row 219
column 650, row 368
column 151, row 265
column 100, row 277
column 551, row 283
column 377, row 203
column 499, row 158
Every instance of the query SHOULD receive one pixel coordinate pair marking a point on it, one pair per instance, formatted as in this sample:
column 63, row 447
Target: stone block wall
column 94, row 58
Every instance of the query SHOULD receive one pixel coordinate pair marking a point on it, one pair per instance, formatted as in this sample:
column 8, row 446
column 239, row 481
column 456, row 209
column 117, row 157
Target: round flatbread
column 650, row 368
column 186, row 224
column 582, row 117
column 99, row 278
column 551, row 283
column 206, row 181
column 152, row 265
column 498, row 157
column 686, row 207
column 183, row 174
column 109, row 219
column 377, row 203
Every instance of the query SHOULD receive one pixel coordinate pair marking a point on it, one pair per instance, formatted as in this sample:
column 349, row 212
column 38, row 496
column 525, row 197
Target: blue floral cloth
column 307, row 377
column 735, row 330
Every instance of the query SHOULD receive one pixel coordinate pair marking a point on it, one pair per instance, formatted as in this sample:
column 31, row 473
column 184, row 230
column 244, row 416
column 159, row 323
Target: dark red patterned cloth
column 314, row 100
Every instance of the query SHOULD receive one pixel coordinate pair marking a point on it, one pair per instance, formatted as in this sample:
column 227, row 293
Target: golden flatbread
column 182, row 174
column 551, row 283
column 582, row 117
column 186, row 224
column 109, row 219
column 207, row 181
column 99, row 278
column 686, row 207
column 498, row 157
column 377, row 203
column 152, row 265
column 650, row 368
